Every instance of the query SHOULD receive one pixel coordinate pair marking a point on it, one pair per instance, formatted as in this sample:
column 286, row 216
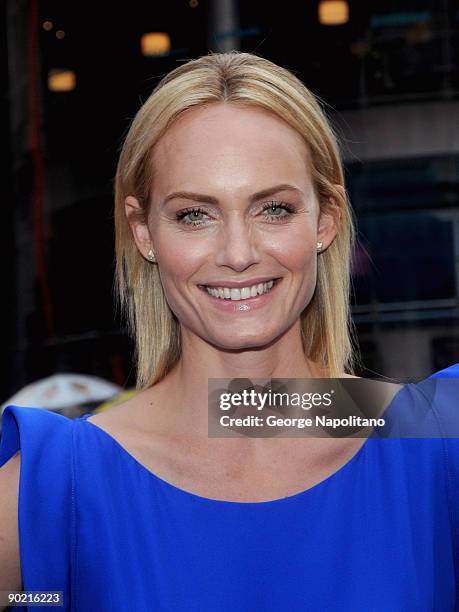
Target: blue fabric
column 379, row 535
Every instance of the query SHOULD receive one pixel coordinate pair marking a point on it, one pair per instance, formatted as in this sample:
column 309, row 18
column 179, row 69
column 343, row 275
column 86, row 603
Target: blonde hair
column 245, row 79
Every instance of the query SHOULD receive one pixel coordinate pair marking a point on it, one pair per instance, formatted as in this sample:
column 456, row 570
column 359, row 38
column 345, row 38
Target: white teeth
column 240, row 294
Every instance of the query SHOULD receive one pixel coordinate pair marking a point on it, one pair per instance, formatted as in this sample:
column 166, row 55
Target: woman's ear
column 329, row 217
column 139, row 228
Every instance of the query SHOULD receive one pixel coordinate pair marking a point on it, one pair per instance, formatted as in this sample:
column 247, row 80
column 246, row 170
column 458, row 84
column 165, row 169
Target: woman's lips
column 244, row 305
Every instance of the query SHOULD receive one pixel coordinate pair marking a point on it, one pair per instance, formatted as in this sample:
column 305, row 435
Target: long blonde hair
column 240, row 78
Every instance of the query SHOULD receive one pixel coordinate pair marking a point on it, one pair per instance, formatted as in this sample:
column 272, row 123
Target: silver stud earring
column 319, row 246
column 151, row 256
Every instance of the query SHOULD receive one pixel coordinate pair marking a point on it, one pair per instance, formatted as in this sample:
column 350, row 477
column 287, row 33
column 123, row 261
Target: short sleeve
column 45, row 504
column 446, row 406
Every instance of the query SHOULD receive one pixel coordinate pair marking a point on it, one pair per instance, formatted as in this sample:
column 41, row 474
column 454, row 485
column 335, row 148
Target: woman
column 233, row 240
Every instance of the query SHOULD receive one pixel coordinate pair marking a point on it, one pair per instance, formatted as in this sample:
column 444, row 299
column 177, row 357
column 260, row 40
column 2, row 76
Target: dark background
column 389, row 81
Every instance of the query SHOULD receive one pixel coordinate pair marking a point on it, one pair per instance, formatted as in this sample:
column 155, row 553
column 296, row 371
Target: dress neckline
column 327, row 481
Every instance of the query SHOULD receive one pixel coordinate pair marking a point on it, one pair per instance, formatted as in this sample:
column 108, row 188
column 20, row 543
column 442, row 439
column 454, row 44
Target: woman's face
column 228, row 155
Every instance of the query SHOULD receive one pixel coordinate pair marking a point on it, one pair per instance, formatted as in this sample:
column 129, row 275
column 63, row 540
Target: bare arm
column 10, row 565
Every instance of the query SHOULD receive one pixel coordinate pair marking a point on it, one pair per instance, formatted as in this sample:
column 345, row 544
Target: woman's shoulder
column 33, row 431
column 428, row 408
column 441, row 393
column 124, row 416
column 143, row 414
column 44, row 441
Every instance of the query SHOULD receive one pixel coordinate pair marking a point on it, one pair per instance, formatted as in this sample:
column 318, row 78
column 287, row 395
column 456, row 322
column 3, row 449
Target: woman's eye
column 275, row 211
column 193, row 214
column 272, row 207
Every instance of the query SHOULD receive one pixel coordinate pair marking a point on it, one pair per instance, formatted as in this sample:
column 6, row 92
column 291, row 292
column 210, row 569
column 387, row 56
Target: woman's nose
column 237, row 245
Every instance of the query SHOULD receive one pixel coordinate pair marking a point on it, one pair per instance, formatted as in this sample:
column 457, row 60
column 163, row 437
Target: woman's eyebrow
column 200, row 197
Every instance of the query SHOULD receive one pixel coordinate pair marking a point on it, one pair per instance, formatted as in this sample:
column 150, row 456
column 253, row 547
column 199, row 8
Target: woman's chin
column 240, row 341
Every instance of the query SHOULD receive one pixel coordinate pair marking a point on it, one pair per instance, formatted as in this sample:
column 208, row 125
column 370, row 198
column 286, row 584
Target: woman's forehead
column 225, row 123
column 231, row 144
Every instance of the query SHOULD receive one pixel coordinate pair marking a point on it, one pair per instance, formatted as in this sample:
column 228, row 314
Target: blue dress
column 379, row 535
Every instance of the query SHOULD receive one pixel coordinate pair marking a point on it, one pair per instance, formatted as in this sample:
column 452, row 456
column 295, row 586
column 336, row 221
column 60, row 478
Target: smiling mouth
column 242, row 294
